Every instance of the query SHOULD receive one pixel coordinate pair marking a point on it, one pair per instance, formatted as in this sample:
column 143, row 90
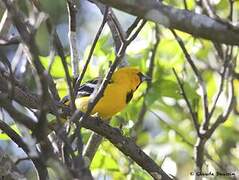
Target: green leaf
column 61, row 87
column 103, row 160
column 56, row 69
column 4, row 136
column 104, row 46
column 163, row 87
column 143, row 138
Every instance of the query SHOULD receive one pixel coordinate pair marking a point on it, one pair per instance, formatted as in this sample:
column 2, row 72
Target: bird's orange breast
column 112, row 102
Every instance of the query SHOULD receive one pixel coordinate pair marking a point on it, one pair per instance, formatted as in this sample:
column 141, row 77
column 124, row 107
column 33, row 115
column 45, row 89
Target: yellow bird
column 117, row 94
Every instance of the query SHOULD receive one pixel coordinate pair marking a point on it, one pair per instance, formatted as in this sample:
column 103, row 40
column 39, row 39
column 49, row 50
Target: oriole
column 117, row 94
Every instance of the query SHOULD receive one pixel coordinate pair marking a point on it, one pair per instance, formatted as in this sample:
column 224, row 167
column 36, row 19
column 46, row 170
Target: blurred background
column 165, row 131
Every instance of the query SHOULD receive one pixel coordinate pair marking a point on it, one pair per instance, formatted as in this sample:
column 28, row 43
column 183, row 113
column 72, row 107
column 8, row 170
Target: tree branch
column 21, row 94
column 80, row 78
column 197, row 74
column 128, row 148
column 119, row 37
column 22, row 118
column 193, row 114
column 5, row 24
column 125, row 145
column 223, row 117
column 72, row 8
column 149, row 73
column 91, row 147
column 198, row 25
column 41, row 169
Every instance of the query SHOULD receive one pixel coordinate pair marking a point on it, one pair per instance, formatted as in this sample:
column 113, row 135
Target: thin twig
column 220, row 90
column 174, row 18
column 7, row 63
column 131, row 36
column 231, row 4
column 132, row 26
column 193, row 114
column 41, row 169
column 185, row 4
column 149, row 74
column 58, row 47
column 184, row 139
column 120, row 33
column 80, row 78
column 91, row 147
column 72, row 8
column 198, row 76
column 209, row 10
column 205, row 4
column 5, row 24
column 22, row 94
column 116, row 30
column 223, row 117
column 14, row 136
column 22, row 118
column 119, row 37
column 9, row 41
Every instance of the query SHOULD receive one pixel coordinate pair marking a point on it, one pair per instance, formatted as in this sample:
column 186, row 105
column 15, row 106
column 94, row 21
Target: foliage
column 167, row 130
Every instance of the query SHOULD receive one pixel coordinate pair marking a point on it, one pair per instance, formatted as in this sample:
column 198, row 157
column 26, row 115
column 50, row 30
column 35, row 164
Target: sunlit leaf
column 56, row 68
column 4, row 136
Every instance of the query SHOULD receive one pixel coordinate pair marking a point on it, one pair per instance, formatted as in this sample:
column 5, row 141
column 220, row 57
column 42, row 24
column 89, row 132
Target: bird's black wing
column 88, row 87
column 85, row 89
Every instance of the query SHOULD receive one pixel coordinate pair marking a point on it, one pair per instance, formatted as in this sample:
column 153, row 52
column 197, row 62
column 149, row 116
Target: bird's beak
column 144, row 77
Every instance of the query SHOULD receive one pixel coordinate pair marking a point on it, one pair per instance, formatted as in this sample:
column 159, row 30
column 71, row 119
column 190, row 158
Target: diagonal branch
column 193, row 114
column 125, row 145
column 220, row 90
column 198, row 76
column 22, row 118
column 223, row 117
column 5, row 24
column 113, row 23
column 119, row 37
column 117, row 31
column 41, row 169
column 132, row 36
column 80, row 78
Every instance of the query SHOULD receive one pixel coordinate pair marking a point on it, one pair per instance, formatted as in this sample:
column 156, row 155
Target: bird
column 118, row 93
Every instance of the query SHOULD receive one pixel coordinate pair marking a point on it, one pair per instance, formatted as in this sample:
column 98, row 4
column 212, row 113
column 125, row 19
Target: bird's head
column 131, row 75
